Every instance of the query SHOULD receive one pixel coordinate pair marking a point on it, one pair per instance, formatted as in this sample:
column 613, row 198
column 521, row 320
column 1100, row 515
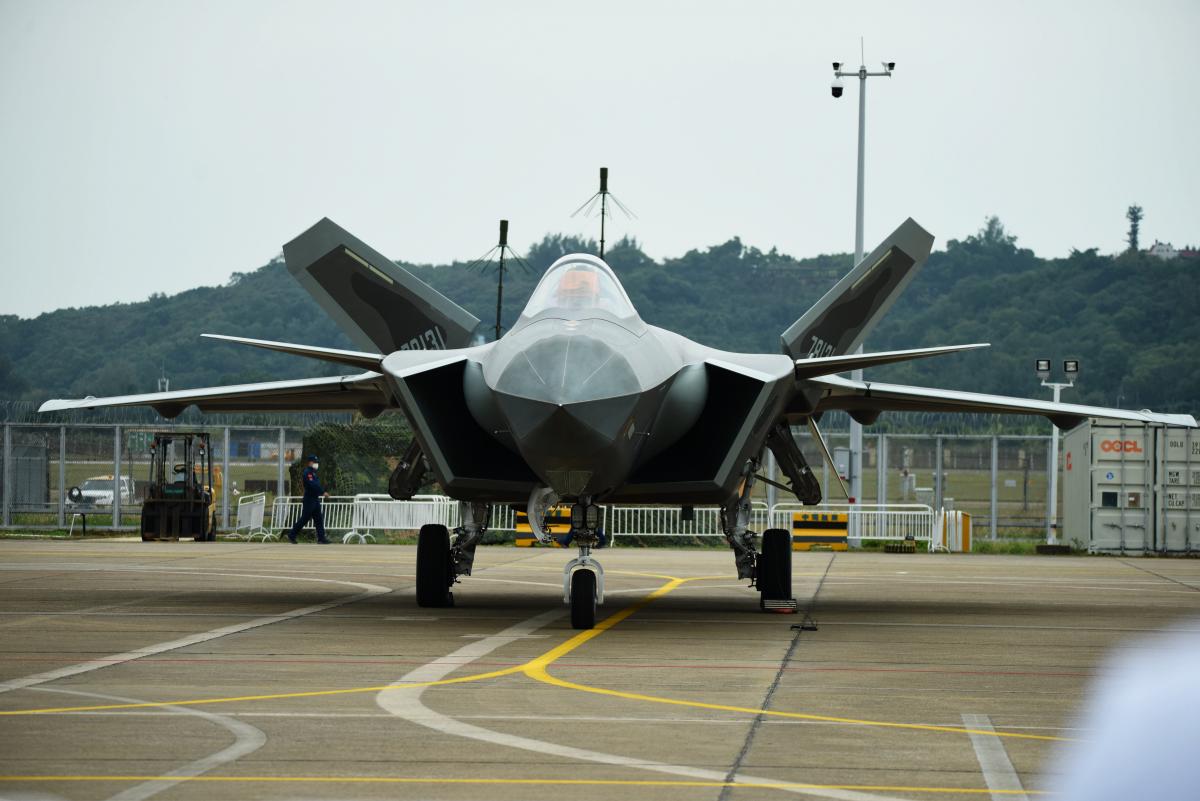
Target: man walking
column 311, row 505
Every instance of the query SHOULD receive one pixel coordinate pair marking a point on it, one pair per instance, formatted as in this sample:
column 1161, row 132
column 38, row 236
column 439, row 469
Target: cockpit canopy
column 579, row 285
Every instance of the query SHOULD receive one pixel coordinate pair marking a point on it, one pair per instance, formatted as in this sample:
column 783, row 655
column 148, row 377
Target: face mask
column 315, row 466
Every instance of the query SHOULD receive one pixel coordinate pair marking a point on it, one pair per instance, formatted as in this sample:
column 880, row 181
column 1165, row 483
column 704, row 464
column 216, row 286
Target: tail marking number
column 431, row 339
column 820, row 348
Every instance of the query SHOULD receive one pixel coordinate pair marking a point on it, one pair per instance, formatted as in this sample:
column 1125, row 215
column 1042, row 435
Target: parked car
column 98, row 491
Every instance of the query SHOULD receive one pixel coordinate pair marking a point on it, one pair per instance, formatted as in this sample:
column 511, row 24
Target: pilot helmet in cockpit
column 578, row 288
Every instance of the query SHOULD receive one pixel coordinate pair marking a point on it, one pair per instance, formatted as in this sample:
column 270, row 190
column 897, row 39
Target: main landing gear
column 440, row 563
column 769, row 571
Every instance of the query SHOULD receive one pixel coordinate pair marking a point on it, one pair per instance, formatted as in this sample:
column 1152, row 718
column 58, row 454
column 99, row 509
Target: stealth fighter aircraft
column 583, row 403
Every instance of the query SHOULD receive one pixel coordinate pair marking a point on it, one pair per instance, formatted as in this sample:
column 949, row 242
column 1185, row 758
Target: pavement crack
column 736, row 767
column 1159, row 575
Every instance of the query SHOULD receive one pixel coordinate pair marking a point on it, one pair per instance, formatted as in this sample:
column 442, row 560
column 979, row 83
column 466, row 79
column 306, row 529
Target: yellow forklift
column 182, row 488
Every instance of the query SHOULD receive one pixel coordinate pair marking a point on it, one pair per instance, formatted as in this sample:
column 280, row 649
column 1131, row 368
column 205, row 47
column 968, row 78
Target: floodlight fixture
column 1043, row 368
column 1071, row 367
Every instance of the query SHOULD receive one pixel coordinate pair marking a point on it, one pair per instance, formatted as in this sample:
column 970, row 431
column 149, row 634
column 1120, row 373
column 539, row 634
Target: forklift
column 180, row 491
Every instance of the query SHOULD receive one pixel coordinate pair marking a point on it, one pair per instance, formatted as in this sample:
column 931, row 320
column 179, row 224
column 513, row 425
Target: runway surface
column 192, row 671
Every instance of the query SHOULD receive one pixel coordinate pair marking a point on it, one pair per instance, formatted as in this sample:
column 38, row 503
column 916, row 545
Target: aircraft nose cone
column 569, row 444
column 567, row 369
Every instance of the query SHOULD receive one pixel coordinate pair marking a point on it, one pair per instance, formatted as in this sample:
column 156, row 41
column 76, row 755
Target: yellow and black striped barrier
column 820, row 530
column 558, row 521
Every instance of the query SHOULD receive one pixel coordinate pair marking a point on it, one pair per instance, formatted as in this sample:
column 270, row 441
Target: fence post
column 5, row 501
column 937, row 477
column 116, row 501
column 995, row 483
column 225, row 480
column 771, row 471
column 1052, row 488
column 881, row 461
column 825, row 475
column 62, row 476
column 279, row 491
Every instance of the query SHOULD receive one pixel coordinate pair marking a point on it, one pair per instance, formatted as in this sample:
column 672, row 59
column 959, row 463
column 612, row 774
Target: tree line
column 1132, row 320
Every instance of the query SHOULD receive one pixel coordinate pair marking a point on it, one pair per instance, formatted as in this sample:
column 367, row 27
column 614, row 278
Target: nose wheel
column 583, row 599
column 583, row 588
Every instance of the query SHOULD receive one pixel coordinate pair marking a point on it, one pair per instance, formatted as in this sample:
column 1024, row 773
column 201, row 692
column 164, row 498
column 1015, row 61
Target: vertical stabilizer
column 839, row 322
column 380, row 305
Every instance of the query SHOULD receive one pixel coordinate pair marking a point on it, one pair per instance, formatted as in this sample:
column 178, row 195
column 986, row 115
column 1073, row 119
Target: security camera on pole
column 856, row 438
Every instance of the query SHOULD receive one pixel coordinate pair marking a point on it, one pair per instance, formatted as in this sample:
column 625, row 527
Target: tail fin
column 839, row 322
column 379, row 304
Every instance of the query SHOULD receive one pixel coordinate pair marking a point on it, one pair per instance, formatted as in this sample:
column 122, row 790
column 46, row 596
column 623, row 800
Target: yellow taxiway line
column 536, row 669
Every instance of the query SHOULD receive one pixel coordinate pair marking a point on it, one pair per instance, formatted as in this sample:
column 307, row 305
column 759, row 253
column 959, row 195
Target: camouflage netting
column 356, row 457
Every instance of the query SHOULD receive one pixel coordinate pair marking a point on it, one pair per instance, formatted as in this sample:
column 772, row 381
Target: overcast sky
column 157, row 146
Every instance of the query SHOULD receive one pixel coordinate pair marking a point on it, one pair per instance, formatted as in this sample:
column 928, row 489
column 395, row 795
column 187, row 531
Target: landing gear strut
column 769, row 571
column 583, row 577
column 735, row 522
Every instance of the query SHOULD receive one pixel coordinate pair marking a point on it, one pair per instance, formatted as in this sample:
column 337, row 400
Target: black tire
column 433, row 566
column 583, row 599
column 774, row 575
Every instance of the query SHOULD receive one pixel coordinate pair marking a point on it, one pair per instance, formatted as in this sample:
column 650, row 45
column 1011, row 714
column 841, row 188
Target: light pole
column 1071, row 369
column 856, row 437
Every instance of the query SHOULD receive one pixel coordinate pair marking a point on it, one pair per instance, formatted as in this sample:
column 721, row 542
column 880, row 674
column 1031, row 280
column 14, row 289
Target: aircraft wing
column 366, row 393
column 865, row 399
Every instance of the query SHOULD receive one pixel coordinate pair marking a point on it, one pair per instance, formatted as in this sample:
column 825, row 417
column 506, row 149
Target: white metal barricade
column 356, row 517
column 504, row 518
column 251, row 509
column 667, row 521
column 382, row 512
column 951, row 532
column 338, row 509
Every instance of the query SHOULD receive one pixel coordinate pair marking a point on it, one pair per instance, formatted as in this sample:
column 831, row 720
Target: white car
column 98, row 491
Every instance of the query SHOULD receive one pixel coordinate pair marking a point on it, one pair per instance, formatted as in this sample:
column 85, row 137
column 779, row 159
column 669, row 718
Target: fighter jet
column 582, row 403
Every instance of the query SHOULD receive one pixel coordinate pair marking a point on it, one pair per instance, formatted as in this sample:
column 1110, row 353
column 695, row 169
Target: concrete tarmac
column 209, row 670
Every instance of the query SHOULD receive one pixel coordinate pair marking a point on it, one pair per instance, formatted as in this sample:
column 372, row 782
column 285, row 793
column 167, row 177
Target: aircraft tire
column 433, row 566
column 774, row 577
column 583, row 599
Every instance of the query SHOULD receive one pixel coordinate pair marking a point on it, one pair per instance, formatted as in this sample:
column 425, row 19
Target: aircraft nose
column 568, row 369
column 569, row 444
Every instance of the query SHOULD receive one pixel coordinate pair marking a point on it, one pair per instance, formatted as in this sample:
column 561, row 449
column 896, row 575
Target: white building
column 1163, row 250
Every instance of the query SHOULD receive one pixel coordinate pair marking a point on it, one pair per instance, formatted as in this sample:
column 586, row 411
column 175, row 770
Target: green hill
column 1133, row 321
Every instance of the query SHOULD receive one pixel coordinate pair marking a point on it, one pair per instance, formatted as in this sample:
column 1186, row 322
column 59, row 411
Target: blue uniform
column 311, row 506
